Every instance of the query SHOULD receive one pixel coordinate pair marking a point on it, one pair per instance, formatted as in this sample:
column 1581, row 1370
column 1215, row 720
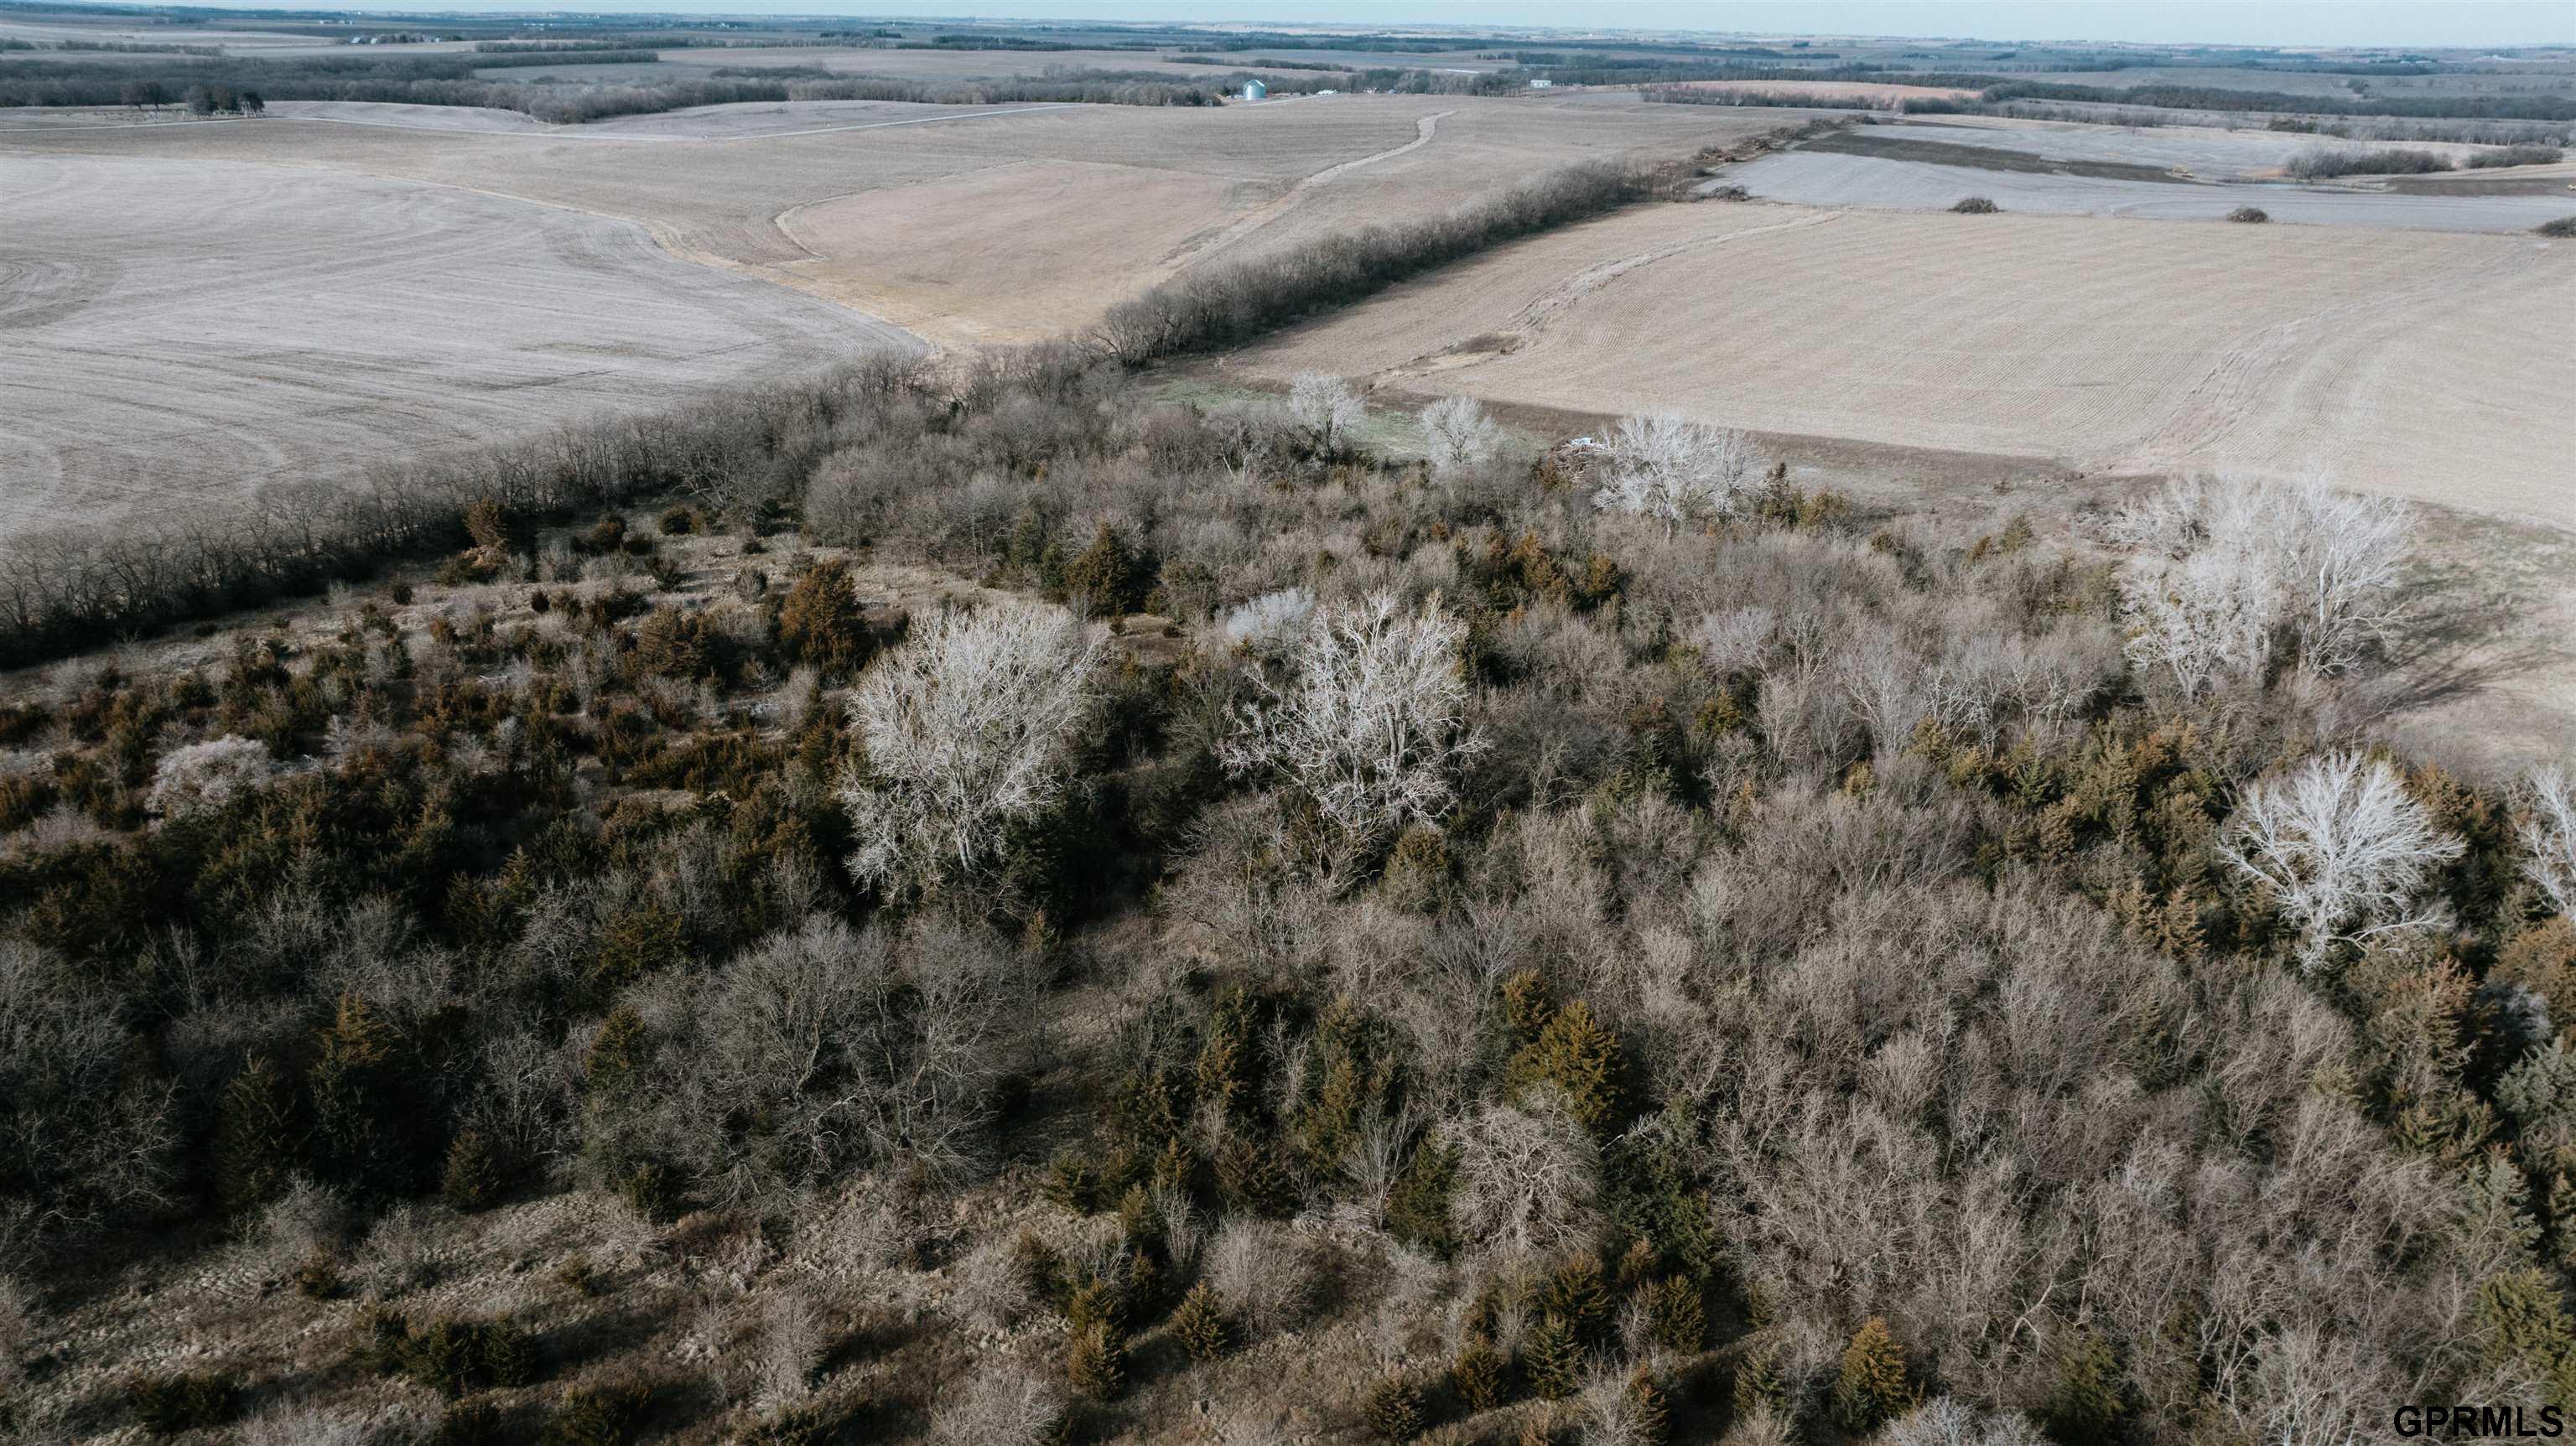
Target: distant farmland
column 2427, row 366
column 225, row 328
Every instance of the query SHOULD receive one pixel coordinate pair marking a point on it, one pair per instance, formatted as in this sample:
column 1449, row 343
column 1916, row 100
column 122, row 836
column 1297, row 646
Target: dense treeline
column 1227, row 302
column 68, row 592
column 2217, row 98
column 1793, row 967
column 420, row 80
column 1087, row 87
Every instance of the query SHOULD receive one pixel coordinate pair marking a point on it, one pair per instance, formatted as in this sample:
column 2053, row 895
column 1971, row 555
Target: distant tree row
column 200, row 99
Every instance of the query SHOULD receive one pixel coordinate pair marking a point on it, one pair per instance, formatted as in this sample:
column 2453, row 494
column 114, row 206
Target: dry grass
column 2419, row 365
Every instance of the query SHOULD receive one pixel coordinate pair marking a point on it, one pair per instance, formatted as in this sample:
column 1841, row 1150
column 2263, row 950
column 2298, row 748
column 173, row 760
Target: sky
column 2217, row 22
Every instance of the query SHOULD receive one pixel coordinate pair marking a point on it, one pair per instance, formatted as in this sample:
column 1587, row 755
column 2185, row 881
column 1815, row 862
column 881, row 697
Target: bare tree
column 2342, row 848
column 1527, row 1178
column 1675, row 471
column 1326, row 407
column 1270, row 621
column 1943, row 1421
column 1458, row 434
column 2549, row 837
column 2231, row 564
column 2341, row 559
column 83, row 1133
column 1374, row 722
column 826, row 1047
column 2205, row 619
column 966, row 727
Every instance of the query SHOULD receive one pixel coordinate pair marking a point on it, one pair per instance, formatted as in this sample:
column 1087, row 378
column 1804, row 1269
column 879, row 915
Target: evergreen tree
column 1759, row 1386
column 1394, row 1408
column 2521, row 1323
column 1871, row 1390
column 1478, row 1373
column 357, row 1121
column 473, row 1176
column 1418, row 1212
column 1201, row 1324
column 1574, row 1053
column 1555, row 1358
column 1676, row 1316
column 1653, row 1417
column 2086, row 1403
column 1577, row 1292
column 258, row 1141
column 820, row 622
column 1096, row 1362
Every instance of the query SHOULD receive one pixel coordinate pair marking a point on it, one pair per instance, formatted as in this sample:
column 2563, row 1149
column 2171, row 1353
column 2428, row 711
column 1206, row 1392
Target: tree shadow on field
column 2464, row 629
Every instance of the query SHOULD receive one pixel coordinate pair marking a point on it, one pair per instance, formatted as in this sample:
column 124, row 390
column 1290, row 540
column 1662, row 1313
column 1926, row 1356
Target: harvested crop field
column 870, row 203
column 224, row 327
column 2420, row 365
column 1881, row 182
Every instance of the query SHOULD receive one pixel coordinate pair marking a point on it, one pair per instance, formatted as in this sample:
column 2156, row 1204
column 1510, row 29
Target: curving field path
column 180, row 333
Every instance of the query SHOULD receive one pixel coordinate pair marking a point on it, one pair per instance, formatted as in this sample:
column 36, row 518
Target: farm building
column 1255, row 90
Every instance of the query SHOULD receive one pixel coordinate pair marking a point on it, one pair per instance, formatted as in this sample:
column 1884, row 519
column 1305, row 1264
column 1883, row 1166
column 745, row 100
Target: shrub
column 2250, row 215
column 200, row 778
column 452, row 1356
column 2514, row 156
column 607, row 1413
column 2563, row 227
column 1001, row 1407
column 1261, row 1273
column 1976, row 206
column 678, row 520
column 168, row 1405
